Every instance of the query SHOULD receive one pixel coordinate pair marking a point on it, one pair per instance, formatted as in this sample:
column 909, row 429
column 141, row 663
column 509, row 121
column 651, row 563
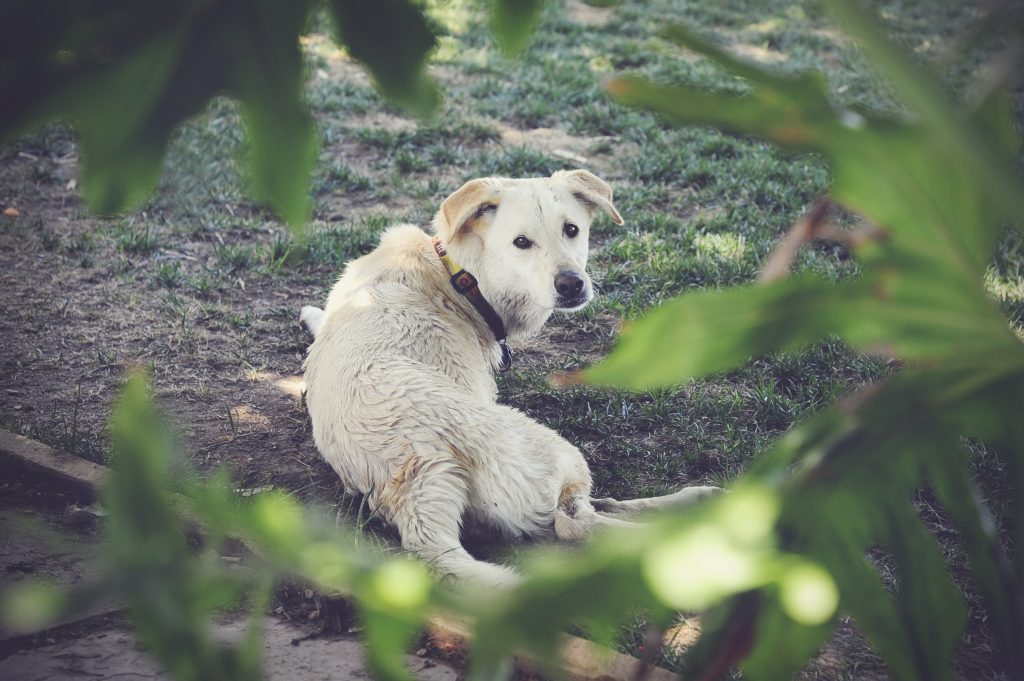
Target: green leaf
column 1014, row 456
column 925, row 587
column 716, row 330
column 804, row 88
column 896, row 311
column 561, row 593
column 865, row 597
column 994, row 118
column 387, row 638
column 140, row 445
column 797, row 115
column 121, row 161
column 513, row 21
column 267, row 76
column 169, row 592
column 30, row 605
column 393, row 598
column 393, row 39
column 783, row 645
column 857, row 467
column 729, row 632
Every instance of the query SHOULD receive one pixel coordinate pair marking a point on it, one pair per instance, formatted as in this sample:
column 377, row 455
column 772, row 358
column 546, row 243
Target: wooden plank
column 585, row 660
column 581, row 660
column 40, row 458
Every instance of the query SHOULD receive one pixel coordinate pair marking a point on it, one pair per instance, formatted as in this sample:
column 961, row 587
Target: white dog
column 400, row 383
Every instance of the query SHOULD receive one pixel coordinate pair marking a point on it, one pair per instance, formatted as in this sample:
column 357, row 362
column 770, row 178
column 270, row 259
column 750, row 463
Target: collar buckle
column 464, row 282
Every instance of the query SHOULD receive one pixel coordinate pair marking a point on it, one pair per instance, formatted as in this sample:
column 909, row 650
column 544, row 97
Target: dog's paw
column 606, row 504
column 480, row 576
column 312, row 318
column 701, row 492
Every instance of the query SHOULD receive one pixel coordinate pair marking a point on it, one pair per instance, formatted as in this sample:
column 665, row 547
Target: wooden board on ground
column 41, row 458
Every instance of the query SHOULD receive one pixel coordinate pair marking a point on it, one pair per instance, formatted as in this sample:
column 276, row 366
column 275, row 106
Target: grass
column 140, row 239
column 235, row 257
column 703, row 209
column 340, row 177
column 645, row 444
column 168, row 274
column 64, row 430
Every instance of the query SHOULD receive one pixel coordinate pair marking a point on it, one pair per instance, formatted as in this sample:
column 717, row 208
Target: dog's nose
column 568, row 284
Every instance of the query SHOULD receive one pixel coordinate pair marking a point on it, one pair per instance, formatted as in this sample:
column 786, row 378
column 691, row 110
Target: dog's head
column 526, row 241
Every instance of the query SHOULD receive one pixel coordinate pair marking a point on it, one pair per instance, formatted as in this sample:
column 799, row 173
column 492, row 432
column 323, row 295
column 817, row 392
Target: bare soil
column 69, row 333
column 109, row 650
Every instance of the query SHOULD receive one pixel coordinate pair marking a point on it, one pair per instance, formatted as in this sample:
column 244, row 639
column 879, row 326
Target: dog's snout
column 568, row 284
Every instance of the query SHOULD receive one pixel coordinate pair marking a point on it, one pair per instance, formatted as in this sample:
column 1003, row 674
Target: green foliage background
column 778, row 558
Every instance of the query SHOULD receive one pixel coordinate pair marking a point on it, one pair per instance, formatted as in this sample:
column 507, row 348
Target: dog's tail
column 312, row 318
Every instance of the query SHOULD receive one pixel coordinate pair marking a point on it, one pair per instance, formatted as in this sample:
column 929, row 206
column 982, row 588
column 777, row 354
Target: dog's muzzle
column 571, row 292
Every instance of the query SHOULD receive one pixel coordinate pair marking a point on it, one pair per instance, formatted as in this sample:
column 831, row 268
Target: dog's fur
column 400, row 383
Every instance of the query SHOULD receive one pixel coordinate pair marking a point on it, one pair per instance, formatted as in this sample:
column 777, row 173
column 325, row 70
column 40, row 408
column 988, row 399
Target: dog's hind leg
column 426, row 503
column 688, row 496
column 576, row 519
column 312, row 318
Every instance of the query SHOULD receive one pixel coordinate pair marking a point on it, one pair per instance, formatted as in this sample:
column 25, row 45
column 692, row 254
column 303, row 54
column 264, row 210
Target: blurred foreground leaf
column 513, row 21
column 30, row 605
column 921, row 294
column 798, row 539
column 393, row 38
column 170, row 593
column 126, row 74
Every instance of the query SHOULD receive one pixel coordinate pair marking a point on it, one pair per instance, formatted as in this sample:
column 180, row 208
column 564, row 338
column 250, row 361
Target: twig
column 814, row 225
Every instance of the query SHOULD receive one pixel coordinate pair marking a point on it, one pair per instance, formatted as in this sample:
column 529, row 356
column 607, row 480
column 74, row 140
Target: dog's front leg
column 688, row 496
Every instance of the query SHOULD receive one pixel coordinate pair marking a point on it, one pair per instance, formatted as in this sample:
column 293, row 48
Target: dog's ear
column 591, row 191
column 460, row 210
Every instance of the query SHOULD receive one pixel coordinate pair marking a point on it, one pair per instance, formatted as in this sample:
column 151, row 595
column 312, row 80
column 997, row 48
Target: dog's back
column 389, row 316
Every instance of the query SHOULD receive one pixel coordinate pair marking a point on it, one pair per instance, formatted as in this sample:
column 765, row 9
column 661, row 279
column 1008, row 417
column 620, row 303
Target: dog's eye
column 521, row 242
column 570, row 230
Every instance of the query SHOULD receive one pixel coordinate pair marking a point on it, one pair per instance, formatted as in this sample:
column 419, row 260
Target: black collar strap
column 466, row 285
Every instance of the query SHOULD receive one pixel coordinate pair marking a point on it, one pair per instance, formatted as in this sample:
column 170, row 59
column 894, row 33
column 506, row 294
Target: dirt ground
column 58, row 318
column 108, row 651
